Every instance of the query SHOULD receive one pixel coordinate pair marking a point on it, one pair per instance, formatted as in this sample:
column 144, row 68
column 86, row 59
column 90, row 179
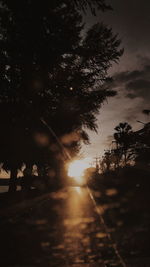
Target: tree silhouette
column 107, row 161
column 124, row 141
column 142, row 146
column 93, row 4
column 50, row 70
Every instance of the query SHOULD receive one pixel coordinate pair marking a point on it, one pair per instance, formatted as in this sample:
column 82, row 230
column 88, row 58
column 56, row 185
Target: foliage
column 142, row 147
column 132, row 148
column 124, row 141
column 93, row 4
column 50, row 70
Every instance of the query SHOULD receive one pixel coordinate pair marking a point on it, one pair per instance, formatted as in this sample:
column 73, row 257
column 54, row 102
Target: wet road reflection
column 64, row 229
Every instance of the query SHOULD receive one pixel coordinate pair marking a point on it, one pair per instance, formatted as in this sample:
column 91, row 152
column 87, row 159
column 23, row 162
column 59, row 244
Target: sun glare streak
column 77, row 168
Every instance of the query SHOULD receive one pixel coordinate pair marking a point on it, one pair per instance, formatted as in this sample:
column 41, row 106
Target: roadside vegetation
column 122, row 191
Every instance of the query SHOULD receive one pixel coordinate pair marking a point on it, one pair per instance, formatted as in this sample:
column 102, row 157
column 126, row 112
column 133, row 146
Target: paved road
column 62, row 229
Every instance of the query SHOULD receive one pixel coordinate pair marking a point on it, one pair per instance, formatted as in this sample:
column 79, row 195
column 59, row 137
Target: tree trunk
column 13, row 179
column 27, row 178
column 125, row 158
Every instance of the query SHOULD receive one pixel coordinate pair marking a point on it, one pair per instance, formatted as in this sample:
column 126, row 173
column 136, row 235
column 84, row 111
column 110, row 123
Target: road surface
column 62, row 229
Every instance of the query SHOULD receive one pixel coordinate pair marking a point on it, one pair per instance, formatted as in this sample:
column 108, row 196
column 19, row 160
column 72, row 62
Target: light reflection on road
column 62, row 230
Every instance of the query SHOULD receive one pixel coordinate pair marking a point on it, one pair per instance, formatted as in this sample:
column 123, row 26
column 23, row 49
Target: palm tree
column 124, row 139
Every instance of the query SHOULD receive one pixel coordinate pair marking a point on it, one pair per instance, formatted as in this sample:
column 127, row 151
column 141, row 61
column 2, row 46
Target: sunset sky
column 131, row 20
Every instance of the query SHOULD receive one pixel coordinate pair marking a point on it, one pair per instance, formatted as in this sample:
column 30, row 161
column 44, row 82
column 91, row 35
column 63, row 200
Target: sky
column 131, row 20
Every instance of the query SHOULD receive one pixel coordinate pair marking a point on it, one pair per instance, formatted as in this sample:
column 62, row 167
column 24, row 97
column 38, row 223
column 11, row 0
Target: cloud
column 135, row 83
column 138, row 88
column 108, row 140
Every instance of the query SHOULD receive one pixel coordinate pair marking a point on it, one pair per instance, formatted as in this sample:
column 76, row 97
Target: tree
column 50, row 70
column 124, row 140
column 107, row 161
column 110, row 160
column 142, row 146
column 93, row 4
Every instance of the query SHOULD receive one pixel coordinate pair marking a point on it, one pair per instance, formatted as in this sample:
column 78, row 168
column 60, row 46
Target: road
column 62, row 229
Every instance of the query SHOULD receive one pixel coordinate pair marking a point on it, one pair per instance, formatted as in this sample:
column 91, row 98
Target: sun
column 77, row 168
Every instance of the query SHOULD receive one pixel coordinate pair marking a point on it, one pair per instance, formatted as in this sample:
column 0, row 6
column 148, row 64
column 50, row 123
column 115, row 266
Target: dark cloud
column 135, row 83
column 131, row 115
column 138, row 88
column 127, row 76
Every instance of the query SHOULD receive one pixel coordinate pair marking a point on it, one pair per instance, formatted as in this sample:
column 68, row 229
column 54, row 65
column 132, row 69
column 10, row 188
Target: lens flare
column 77, row 168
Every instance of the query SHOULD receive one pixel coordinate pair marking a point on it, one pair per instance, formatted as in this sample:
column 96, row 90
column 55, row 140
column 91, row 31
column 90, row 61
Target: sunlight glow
column 77, row 168
column 78, row 189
